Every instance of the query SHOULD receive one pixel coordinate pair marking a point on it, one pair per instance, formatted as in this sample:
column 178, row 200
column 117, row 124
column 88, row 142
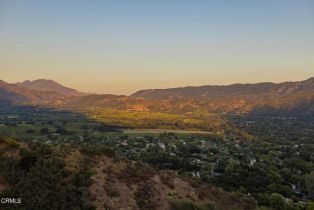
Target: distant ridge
column 50, row 85
column 213, row 91
column 295, row 98
column 287, row 98
column 18, row 94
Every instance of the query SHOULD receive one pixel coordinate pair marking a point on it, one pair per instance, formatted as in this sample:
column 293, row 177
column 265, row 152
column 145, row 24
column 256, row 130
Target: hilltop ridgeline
column 288, row 98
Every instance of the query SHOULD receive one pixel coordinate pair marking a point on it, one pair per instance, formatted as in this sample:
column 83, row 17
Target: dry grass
column 123, row 184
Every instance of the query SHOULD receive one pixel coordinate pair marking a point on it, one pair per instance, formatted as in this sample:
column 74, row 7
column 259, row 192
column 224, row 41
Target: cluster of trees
column 39, row 177
column 261, row 169
column 101, row 127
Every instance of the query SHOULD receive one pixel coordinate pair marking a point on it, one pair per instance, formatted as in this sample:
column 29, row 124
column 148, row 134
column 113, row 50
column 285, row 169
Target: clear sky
column 119, row 47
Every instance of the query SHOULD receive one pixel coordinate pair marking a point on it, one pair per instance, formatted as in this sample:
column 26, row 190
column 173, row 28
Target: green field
column 159, row 131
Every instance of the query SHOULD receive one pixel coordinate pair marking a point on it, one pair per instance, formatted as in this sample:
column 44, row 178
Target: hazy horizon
column 13, row 82
column 119, row 48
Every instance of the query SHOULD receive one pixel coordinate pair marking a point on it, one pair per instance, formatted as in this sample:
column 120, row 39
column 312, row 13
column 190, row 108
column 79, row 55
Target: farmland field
column 159, row 131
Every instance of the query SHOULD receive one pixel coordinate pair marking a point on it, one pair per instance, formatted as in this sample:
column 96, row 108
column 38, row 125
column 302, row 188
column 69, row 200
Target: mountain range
column 288, row 98
column 50, row 86
column 263, row 98
column 18, row 94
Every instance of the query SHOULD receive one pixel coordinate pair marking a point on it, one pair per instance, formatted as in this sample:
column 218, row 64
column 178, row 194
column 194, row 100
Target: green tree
column 277, row 201
column 309, row 184
column 274, row 176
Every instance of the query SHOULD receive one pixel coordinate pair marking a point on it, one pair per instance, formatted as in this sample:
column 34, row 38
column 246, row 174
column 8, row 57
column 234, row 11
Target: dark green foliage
column 309, row 184
column 30, row 131
column 61, row 131
column 186, row 205
column 27, row 162
column 98, row 150
column 278, row 202
column 42, row 181
column 263, row 199
column 44, row 131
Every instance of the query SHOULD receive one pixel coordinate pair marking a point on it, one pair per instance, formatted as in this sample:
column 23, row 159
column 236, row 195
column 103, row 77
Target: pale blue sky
column 122, row 46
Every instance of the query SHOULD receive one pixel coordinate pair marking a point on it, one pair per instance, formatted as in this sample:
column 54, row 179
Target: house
column 252, row 161
column 196, row 174
column 162, row 145
column 124, row 143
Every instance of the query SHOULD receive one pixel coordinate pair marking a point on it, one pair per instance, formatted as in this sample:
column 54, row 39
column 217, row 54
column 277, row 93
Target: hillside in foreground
column 48, row 177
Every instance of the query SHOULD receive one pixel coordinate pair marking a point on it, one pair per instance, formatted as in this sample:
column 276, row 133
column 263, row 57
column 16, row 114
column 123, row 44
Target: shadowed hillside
column 95, row 178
